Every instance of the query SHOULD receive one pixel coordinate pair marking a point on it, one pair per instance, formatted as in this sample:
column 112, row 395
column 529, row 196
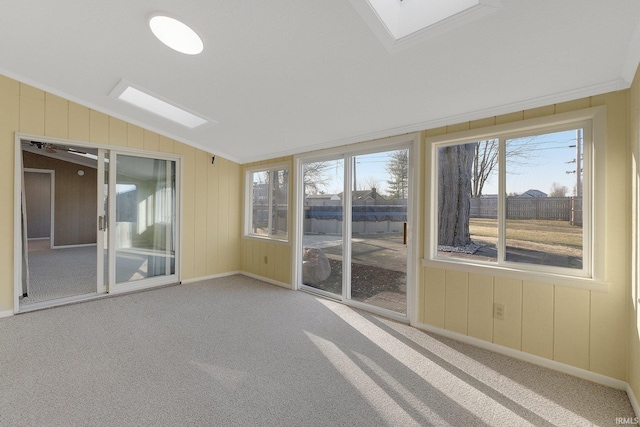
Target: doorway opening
column 356, row 215
column 113, row 221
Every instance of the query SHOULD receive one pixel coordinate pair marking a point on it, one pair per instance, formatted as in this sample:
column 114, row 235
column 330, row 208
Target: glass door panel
column 322, row 236
column 144, row 218
column 379, row 197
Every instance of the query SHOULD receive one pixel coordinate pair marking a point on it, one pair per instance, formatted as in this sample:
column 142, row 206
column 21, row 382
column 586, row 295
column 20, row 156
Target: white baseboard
column 213, row 276
column 527, row 357
column 264, row 279
column 6, row 313
column 634, row 400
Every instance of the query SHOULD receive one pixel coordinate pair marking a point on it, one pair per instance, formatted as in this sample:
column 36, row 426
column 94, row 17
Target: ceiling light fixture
column 128, row 93
column 175, row 34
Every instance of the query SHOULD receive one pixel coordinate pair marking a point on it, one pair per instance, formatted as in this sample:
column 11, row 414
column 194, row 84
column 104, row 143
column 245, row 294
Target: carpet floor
column 237, row 351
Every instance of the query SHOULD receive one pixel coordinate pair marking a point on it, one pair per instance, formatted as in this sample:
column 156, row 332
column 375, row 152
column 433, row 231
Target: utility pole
column 578, row 162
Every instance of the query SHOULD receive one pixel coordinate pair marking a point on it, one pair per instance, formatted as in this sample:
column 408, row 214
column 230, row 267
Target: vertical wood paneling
column 456, row 301
column 31, row 110
column 223, row 218
column 272, row 262
column 537, row 319
column 434, row 296
column 165, row 144
column 508, row 332
column 9, row 123
column 200, row 213
column 571, row 332
column 117, row 132
column 56, row 116
column 150, row 141
column 213, row 207
column 188, row 209
column 574, row 105
column 539, row 112
column 481, row 307
column 509, row 118
column 78, row 122
column 135, row 137
column 98, row 127
column 235, row 216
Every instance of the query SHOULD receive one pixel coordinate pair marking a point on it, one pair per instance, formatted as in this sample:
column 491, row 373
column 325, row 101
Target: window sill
column 267, row 239
column 513, row 273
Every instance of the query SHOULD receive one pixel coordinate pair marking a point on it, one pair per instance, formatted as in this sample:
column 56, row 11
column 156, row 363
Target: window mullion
column 502, row 201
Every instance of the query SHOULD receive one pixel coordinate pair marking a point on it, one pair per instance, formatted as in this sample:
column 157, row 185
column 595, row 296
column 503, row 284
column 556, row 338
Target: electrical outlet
column 498, row 311
column 266, row 260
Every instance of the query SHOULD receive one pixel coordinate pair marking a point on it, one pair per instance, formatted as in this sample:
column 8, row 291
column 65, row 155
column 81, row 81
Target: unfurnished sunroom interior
column 551, row 90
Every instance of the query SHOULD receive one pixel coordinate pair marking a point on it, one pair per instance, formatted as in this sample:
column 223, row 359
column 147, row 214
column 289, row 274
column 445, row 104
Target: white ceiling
column 287, row 76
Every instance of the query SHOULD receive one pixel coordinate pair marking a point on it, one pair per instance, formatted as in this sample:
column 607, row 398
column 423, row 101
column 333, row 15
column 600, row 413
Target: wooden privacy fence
column 544, row 208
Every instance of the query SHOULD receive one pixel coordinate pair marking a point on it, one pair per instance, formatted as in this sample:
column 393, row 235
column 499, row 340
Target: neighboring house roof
column 366, row 195
column 533, row 193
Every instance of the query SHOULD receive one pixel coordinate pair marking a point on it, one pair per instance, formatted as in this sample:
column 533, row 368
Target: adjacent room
column 369, row 212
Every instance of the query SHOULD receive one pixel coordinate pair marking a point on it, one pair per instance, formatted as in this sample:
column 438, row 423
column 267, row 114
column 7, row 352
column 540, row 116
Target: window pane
column 468, row 200
column 279, row 203
column 269, row 203
column 544, row 199
column 260, row 203
column 322, row 241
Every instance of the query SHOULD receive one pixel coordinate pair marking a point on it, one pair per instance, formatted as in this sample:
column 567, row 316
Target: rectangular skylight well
column 401, row 23
column 126, row 92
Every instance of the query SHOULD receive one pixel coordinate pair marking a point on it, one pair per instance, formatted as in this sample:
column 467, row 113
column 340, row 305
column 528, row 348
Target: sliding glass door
column 354, row 214
column 322, row 234
column 142, row 221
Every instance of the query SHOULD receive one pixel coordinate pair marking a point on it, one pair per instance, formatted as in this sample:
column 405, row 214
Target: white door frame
column 17, row 205
column 410, row 141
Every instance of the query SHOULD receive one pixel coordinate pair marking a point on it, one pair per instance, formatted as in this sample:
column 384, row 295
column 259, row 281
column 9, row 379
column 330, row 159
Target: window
column 268, row 202
column 517, row 197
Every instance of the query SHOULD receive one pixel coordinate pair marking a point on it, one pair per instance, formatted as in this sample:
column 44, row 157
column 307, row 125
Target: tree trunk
column 455, row 164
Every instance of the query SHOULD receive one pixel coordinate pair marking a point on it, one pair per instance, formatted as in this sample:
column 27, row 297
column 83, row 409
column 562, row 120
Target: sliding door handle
column 101, row 223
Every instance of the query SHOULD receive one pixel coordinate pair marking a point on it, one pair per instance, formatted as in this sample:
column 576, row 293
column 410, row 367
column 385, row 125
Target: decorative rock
column 315, row 266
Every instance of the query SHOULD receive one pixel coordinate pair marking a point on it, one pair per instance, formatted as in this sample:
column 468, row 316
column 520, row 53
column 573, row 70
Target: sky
column 541, row 161
column 532, row 163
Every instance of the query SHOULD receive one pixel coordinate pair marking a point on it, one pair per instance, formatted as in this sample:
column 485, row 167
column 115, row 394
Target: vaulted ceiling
column 287, row 76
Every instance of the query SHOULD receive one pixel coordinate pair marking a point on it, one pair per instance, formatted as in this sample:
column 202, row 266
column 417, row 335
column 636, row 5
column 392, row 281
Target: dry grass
column 555, row 233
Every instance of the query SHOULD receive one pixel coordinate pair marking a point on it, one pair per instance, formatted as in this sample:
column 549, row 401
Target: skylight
column 126, row 92
column 401, row 23
column 175, row 34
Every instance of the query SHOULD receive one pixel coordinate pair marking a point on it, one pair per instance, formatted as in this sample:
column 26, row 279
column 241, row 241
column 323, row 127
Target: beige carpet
column 235, row 351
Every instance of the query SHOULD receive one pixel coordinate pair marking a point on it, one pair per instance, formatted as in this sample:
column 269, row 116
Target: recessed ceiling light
column 175, row 34
column 128, row 93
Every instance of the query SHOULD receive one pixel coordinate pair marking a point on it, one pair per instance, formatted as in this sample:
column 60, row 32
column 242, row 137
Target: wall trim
column 531, row 358
column 7, row 313
column 265, row 279
column 213, row 276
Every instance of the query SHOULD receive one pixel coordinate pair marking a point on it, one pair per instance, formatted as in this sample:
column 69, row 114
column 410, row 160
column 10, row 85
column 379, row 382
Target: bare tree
column 485, row 160
column 455, row 165
column 398, row 168
column 369, row 183
column 315, row 178
column 558, row 190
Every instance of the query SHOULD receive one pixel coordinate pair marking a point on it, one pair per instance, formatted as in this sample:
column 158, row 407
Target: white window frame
column 592, row 275
column 248, row 201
